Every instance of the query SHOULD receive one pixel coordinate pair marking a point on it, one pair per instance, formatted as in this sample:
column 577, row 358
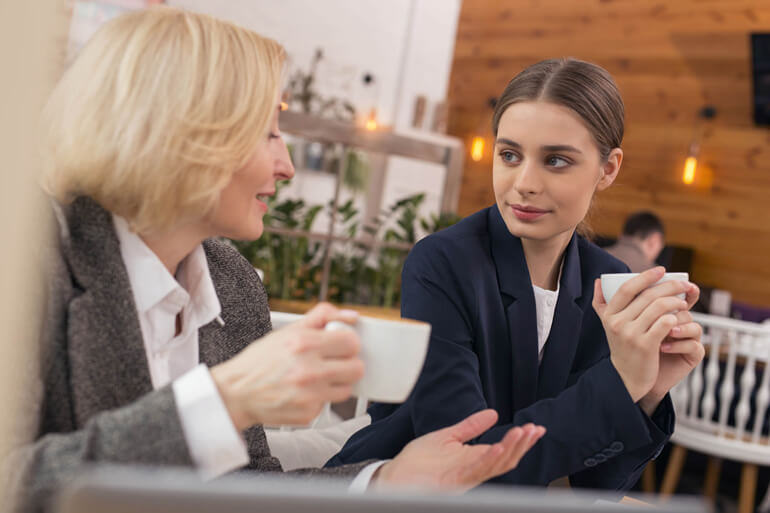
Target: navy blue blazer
column 472, row 284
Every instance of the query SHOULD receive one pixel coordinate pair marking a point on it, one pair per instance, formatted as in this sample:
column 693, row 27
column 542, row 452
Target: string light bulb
column 477, row 148
column 479, row 142
column 689, row 174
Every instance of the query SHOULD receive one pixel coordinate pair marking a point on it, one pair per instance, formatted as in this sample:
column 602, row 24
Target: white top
column 545, row 306
column 215, row 445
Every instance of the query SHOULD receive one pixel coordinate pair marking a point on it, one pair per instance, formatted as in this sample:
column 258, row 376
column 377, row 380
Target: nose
column 284, row 169
column 528, row 180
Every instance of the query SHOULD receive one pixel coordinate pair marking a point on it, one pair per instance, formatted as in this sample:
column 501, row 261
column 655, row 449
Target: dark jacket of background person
column 471, row 283
column 95, row 402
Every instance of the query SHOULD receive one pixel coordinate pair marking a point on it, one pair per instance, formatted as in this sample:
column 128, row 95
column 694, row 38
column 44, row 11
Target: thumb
column 472, row 426
column 323, row 313
column 598, row 302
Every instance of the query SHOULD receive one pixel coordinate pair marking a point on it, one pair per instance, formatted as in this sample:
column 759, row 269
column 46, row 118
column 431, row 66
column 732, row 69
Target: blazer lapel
column 563, row 340
column 108, row 363
column 519, row 300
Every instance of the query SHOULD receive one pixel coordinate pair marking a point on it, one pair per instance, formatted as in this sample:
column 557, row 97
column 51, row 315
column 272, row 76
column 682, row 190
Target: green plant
column 302, row 91
column 359, row 272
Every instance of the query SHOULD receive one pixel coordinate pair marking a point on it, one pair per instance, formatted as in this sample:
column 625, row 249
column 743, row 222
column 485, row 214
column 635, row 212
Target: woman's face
column 546, row 169
column 239, row 214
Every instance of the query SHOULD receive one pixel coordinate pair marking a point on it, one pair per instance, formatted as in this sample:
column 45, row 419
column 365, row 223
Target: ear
column 610, row 169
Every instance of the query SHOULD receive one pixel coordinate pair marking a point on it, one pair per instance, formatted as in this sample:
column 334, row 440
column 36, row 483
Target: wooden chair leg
column 748, row 488
column 673, row 470
column 648, row 478
column 713, row 471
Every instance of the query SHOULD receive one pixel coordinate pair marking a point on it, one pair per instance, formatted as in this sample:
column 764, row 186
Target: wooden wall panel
column 669, row 59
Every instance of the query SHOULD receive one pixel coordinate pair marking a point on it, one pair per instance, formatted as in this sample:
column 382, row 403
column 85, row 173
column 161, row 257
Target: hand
column 680, row 352
column 636, row 322
column 442, row 460
column 287, row 376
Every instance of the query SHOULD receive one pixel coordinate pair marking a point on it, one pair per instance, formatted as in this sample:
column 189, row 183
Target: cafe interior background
column 388, row 123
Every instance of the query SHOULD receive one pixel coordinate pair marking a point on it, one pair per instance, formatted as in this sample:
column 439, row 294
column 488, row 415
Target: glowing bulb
column 371, row 124
column 477, row 148
column 284, row 106
column 689, row 170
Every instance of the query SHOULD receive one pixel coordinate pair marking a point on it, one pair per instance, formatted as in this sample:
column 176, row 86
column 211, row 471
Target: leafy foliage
column 361, row 272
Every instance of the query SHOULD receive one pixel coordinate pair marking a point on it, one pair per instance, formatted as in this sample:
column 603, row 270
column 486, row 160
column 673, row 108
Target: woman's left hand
column 680, row 352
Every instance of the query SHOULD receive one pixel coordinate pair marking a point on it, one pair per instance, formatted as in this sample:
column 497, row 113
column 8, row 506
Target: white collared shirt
column 215, row 445
column 545, row 307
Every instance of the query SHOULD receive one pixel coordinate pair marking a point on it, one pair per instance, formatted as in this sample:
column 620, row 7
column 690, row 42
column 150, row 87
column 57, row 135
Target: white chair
column 311, row 447
column 703, row 428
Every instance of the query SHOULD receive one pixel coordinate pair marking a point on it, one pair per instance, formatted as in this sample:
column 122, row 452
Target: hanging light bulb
column 479, row 141
column 691, row 163
column 477, row 148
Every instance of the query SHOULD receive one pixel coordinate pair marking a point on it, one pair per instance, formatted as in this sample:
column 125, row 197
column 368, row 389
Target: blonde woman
column 163, row 135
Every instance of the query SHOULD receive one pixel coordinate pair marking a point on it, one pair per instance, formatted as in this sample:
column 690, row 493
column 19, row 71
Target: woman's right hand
column 287, row 376
column 636, row 322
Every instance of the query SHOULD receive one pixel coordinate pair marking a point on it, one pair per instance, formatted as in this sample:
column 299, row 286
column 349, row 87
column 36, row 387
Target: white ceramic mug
column 612, row 282
column 393, row 352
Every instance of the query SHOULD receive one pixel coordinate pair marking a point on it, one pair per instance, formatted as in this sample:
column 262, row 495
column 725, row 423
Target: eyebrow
column 548, row 148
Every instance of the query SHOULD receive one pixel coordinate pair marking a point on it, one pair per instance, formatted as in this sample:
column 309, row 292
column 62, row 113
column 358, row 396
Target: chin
column 244, row 233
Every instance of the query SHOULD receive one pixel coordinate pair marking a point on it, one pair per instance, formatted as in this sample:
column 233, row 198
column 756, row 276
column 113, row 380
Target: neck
column 544, row 259
column 173, row 246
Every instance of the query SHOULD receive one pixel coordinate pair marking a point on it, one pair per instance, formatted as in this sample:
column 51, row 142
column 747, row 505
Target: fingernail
column 676, row 330
column 351, row 314
column 666, row 346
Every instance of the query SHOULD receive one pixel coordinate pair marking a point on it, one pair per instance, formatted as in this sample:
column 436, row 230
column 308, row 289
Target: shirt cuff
column 361, row 482
column 215, row 445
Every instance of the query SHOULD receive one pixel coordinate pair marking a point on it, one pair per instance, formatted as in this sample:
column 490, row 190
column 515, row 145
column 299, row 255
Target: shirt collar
column 151, row 281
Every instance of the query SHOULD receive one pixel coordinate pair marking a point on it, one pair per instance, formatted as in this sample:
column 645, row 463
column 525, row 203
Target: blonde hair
column 157, row 112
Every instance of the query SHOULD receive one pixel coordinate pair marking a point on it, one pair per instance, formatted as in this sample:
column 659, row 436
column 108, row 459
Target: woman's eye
column 274, row 135
column 556, row 161
column 509, row 156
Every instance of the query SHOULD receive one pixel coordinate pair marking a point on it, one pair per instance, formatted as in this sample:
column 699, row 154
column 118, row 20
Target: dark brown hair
column 583, row 87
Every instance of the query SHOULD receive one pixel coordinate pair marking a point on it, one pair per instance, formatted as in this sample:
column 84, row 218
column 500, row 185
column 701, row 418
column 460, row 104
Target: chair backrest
column 722, row 405
column 282, row 319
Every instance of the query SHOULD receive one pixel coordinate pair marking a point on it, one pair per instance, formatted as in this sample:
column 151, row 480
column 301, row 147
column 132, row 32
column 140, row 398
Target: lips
column 262, row 198
column 528, row 212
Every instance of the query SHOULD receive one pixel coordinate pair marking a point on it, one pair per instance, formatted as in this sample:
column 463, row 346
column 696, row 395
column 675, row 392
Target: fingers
column 338, row 393
column 341, row 372
column 503, row 456
column 687, row 330
column 339, row 343
column 599, row 304
column 649, row 296
column 693, row 293
column 661, row 328
column 633, row 287
column 472, row 426
column 655, row 310
column 688, row 346
column 324, row 313
column 516, row 447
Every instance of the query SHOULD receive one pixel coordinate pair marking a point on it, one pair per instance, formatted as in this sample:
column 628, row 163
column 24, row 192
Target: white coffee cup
column 393, row 352
column 612, row 282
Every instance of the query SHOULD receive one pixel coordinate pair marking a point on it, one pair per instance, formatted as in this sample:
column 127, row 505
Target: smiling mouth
column 527, row 213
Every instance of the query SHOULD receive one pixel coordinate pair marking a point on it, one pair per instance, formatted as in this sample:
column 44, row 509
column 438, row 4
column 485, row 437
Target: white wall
column 406, row 44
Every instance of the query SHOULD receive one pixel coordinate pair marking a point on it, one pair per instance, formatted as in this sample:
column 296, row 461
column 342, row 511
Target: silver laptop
column 122, row 490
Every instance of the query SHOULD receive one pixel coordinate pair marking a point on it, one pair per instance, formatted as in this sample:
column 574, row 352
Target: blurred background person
column 642, row 241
